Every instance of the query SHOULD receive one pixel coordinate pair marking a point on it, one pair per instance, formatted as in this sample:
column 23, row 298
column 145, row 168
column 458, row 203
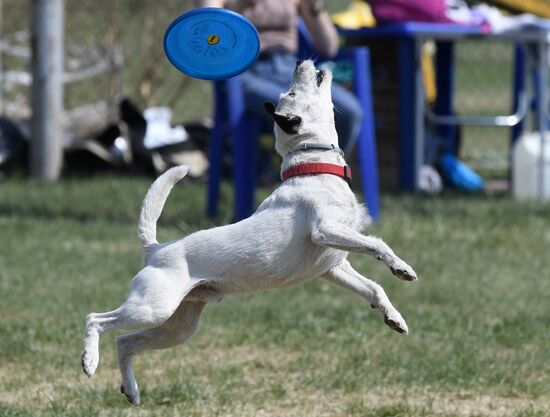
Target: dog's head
column 305, row 111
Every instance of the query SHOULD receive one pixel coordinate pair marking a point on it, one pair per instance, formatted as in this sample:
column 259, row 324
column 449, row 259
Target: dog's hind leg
column 95, row 325
column 339, row 236
column 345, row 276
column 154, row 297
column 174, row 331
column 204, row 294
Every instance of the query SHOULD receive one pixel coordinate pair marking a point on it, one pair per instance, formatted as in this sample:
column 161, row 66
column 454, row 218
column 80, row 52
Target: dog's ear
column 289, row 123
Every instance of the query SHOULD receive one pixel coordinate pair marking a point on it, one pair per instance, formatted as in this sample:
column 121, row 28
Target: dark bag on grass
column 13, row 146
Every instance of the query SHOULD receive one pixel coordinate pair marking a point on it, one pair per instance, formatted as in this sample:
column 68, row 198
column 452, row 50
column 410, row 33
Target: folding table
column 413, row 110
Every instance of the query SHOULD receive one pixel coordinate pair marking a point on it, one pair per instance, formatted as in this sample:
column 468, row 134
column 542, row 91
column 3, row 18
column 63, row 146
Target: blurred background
column 113, row 49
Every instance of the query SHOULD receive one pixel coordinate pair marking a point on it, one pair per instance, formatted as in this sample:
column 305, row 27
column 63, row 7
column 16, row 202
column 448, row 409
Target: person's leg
column 270, row 77
column 265, row 81
column 348, row 116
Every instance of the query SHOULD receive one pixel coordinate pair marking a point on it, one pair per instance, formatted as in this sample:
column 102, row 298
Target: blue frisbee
column 211, row 43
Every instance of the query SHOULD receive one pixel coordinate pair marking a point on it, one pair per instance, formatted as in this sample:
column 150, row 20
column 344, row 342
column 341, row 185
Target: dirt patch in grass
column 239, row 381
column 387, row 403
column 489, row 406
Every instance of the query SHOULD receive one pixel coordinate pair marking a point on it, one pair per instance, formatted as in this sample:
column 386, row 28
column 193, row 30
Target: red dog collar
column 318, row 168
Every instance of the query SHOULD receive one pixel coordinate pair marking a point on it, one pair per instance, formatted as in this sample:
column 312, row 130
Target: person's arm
column 323, row 32
column 210, row 3
column 236, row 5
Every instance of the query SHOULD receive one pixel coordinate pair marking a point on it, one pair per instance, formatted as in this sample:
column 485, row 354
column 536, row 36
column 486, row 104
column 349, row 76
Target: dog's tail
column 154, row 203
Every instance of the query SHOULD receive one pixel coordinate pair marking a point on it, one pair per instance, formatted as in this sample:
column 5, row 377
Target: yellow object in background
column 537, row 7
column 357, row 16
column 428, row 71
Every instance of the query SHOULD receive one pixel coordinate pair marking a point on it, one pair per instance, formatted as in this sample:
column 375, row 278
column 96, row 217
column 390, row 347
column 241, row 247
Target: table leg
column 518, row 87
column 408, row 59
column 420, row 113
column 542, row 113
column 445, row 92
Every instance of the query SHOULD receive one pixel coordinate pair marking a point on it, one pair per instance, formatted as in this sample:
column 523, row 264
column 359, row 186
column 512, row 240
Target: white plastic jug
column 526, row 167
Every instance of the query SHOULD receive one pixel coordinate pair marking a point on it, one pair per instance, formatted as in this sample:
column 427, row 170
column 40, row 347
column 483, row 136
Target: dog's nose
column 299, row 62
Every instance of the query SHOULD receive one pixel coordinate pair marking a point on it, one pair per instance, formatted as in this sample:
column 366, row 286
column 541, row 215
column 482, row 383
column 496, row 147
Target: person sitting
column 272, row 72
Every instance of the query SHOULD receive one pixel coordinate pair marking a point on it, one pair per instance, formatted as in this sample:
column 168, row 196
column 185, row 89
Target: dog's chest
column 319, row 199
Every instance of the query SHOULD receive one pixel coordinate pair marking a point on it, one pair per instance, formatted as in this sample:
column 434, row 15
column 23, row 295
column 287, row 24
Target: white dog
column 303, row 230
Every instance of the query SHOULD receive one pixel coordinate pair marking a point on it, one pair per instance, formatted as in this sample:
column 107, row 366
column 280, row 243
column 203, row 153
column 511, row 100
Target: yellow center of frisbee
column 213, row 39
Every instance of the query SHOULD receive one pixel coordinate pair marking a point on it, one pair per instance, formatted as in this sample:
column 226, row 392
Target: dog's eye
column 320, row 76
column 291, row 94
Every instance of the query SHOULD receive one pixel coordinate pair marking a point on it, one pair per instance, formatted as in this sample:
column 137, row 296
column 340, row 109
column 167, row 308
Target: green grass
column 479, row 316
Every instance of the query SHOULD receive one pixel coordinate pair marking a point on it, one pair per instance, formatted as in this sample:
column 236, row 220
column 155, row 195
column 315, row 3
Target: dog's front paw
column 403, row 271
column 131, row 394
column 396, row 322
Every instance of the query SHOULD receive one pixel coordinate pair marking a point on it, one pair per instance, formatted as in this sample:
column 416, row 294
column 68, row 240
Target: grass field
column 479, row 316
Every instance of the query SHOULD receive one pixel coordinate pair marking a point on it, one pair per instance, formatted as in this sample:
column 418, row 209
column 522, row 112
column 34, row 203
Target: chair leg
column 215, row 153
column 229, row 116
column 245, row 158
column 366, row 146
column 253, row 125
column 244, row 148
column 369, row 172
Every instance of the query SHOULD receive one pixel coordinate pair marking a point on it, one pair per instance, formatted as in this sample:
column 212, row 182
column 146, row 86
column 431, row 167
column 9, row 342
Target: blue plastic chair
column 230, row 119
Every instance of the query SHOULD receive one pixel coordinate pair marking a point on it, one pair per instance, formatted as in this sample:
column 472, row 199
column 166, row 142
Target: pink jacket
column 409, row 11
